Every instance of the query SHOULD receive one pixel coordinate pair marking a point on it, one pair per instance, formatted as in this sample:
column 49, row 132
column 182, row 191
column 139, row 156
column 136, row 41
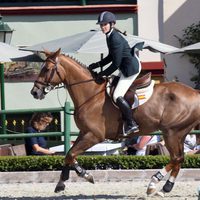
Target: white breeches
column 124, row 84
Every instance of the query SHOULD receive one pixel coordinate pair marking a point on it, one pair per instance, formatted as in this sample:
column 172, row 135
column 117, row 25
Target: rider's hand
column 93, row 66
column 94, row 74
column 99, row 79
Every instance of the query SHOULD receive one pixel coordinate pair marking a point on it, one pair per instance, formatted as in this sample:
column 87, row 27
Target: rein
column 48, row 86
column 86, row 81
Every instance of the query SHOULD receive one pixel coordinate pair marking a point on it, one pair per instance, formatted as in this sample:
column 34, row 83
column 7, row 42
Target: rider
column 122, row 59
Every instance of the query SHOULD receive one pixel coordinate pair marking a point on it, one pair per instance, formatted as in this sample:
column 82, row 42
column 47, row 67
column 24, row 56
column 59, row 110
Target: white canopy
column 194, row 48
column 94, row 41
column 9, row 53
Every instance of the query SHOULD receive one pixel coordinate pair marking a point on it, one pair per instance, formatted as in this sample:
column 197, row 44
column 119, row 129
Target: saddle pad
column 142, row 95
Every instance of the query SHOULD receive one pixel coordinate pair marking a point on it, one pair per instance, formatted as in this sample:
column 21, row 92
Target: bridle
column 48, row 86
column 47, row 83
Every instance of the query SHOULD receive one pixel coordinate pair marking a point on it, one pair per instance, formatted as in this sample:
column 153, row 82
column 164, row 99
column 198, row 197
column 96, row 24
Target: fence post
column 67, row 127
column 3, row 116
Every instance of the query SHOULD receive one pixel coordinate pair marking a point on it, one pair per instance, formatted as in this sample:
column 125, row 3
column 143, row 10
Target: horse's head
column 48, row 77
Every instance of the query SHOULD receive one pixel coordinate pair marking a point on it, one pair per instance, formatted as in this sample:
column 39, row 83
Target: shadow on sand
column 75, row 197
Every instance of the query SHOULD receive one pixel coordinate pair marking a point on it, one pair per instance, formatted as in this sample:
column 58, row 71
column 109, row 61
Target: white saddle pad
column 140, row 96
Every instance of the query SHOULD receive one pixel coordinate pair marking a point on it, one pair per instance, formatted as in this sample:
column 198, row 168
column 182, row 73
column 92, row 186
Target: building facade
column 39, row 21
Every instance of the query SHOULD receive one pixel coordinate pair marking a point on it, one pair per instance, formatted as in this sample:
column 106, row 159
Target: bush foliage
column 191, row 35
column 48, row 163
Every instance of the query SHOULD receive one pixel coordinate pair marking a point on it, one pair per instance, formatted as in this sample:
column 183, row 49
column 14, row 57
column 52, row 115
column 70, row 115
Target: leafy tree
column 191, row 35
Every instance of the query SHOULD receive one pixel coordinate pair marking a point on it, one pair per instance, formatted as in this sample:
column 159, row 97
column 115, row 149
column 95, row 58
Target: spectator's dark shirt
column 29, row 142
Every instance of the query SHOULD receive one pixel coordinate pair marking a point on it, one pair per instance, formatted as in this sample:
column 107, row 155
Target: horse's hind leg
column 156, row 178
column 175, row 147
column 174, row 144
column 170, row 182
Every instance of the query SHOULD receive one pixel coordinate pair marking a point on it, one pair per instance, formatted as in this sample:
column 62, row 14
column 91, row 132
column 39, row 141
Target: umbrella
column 194, row 48
column 151, row 45
column 9, row 53
column 94, row 41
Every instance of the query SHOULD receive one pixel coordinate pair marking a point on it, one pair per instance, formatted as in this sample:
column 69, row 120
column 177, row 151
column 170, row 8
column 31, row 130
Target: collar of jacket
column 109, row 33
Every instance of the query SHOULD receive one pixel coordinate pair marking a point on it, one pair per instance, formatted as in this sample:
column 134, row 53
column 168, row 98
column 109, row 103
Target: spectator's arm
column 38, row 148
column 144, row 140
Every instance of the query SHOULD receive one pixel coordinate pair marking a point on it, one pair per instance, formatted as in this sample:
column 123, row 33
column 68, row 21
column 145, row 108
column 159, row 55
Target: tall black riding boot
column 130, row 125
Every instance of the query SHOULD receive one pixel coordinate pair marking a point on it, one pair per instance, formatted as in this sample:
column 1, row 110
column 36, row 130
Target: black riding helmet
column 106, row 17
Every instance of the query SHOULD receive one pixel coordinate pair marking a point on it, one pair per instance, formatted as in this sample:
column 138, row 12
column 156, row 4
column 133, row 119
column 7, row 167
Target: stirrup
column 132, row 129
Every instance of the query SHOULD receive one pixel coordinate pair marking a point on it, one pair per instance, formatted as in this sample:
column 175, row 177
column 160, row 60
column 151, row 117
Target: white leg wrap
column 153, row 182
column 172, row 179
column 163, row 171
column 160, row 174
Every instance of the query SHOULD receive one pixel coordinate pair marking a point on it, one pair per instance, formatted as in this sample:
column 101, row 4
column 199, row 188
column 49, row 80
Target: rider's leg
column 121, row 89
column 124, row 107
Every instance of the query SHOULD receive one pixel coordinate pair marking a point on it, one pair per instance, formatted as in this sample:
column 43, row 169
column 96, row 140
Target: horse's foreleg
column 83, row 173
column 63, row 177
column 82, row 143
column 156, row 178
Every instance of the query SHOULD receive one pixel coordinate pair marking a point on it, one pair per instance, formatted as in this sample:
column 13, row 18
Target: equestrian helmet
column 106, row 17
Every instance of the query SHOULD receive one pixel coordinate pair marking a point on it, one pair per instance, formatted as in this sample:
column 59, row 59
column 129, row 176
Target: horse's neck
column 78, row 83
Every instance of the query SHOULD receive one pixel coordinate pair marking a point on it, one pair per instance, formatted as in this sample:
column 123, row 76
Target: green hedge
column 43, row 163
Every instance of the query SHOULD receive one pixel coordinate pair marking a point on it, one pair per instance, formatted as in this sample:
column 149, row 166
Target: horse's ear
column 57, row 53
column 47, row 52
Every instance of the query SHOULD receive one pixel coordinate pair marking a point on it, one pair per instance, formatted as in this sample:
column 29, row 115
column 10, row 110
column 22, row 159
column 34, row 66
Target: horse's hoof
column 160, row 193
column 59, row 187
column 151, row 191
column 89, row 178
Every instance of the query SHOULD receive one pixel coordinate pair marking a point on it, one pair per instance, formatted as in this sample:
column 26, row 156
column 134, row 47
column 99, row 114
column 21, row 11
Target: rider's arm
column 108, row 71
column 101, row 63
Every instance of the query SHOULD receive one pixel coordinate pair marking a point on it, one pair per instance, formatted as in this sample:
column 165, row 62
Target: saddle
column 142, row 84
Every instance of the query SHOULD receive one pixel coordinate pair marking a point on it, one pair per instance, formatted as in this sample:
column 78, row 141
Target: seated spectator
column 38, row 145
column 190, row 145
column 139, row 148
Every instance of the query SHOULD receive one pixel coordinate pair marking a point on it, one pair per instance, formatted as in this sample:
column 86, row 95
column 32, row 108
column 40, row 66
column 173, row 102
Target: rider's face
column 105, row 28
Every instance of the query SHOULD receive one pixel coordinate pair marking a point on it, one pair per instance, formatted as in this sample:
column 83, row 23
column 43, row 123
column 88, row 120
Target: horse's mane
column 76, row 60
column 79, row 64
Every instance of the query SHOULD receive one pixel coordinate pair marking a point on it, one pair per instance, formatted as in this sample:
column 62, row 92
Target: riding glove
column 94, row 74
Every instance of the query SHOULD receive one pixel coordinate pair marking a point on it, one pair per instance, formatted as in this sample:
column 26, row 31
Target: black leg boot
column 124, row 107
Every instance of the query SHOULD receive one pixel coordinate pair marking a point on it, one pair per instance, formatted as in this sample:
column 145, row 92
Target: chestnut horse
column 173, row 108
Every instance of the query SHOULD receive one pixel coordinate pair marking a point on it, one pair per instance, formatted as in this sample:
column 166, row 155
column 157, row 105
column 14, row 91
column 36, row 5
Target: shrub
column 45, row 163
column 191, row 35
